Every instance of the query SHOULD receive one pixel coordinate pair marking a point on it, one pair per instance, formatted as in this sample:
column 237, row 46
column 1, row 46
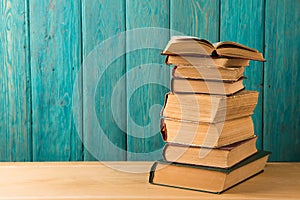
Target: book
column 187, row 45
column 209, row 108
column 208, row 72
column 224, row 157
column 207, row 179
column 210, row 135
column 206, row 61
column 196, row 86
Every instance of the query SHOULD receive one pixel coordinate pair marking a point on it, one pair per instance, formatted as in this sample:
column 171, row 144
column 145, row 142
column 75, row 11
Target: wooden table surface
column 95, row 180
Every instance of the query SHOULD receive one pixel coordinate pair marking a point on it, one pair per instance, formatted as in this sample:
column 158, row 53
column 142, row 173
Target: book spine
column 167, row 60
column 172, row 85
column 163, row 129
column 173, row 70
column 164, row 151
column 164, row 106
column 208, row 80
column 152, row 171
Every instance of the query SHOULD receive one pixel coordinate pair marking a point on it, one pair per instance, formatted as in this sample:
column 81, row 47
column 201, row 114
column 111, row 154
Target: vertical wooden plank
column 15, row 102
column 102, row 21
column 55, row 58
column 243, row 22
column 147, row 76
column 196, row 17
column 282, row 91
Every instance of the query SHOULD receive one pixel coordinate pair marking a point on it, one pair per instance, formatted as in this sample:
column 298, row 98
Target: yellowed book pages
column 209, row 108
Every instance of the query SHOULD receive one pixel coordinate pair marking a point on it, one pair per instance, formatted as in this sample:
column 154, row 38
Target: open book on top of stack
column 206, row 119
column 193, row 46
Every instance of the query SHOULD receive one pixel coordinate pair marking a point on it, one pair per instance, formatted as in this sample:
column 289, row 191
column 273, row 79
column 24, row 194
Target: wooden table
column 95, row 180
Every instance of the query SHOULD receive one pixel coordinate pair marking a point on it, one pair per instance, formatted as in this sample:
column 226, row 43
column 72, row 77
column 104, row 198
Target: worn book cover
column 206, row 179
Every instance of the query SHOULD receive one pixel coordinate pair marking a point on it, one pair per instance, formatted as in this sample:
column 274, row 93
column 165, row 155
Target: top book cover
column 193, row 46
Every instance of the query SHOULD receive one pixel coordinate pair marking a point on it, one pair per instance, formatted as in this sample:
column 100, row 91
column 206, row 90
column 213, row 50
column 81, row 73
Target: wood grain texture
column 147, row 77
column 245, row 24
column 103, row 20
column 282, row 91
column 196, row 17
column 55, row 59
column 15, row 101
column 94, row 180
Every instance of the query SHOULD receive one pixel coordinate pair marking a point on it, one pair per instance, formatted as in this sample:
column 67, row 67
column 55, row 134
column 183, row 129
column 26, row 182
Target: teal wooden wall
column 84, row 79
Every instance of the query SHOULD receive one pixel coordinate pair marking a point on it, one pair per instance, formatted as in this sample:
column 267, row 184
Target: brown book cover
column 206, row 179
column 224, row 157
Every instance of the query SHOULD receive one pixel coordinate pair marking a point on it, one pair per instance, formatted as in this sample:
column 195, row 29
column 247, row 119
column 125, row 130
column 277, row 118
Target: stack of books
column 206, row 120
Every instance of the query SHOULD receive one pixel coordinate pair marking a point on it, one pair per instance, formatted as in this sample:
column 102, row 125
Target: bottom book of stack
column 205, row 178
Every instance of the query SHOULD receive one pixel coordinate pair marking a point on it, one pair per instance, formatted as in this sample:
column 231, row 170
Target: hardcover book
column 186, row 45
column 210, row 135
column 206, row 61
column 208, row 73
column 182, row 85
column 204, row 178
column 209, row 108
column 223, row 157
